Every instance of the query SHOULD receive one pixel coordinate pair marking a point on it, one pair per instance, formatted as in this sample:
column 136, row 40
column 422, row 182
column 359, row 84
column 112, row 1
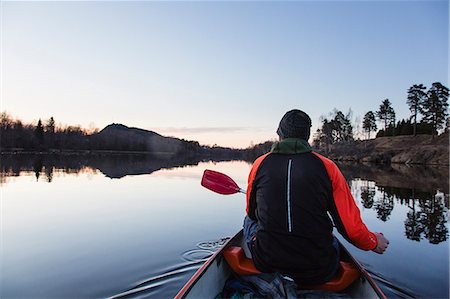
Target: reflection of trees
column 37, row 168
column 112, row 165
column 413, row 227
column 384, row 205
column 49, row 174
column 403, row 177
column 430, row 220
column 427, row 217
column 367, row 196
column 433, row 218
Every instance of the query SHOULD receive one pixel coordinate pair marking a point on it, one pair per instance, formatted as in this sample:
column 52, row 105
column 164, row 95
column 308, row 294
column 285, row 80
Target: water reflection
column 367, row 195
column 427, row 217
column 400, row 177
column 430, row 220
column 419, row 188
column 140, row 235
column 111, row 165
column 379, row 188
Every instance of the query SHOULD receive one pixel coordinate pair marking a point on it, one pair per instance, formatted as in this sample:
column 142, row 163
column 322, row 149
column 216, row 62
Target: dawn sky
column 217, row 72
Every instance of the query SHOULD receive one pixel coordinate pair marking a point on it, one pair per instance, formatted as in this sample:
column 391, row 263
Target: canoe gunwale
column 202, row 270
column 363, row 272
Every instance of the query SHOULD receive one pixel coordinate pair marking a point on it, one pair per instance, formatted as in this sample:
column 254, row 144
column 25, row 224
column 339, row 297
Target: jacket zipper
column 289, row 195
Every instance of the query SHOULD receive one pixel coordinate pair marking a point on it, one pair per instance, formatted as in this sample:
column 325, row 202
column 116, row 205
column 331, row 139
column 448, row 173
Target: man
column 291, row 193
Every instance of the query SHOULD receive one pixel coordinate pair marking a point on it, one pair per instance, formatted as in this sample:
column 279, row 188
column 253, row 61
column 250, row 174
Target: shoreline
column 405, row 150
column 401, row 150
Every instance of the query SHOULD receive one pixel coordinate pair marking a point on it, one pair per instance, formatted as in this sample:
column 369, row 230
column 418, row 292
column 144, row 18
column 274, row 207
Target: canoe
column 208, row 281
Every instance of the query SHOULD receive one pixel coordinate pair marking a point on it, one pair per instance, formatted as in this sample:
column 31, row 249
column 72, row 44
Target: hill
column 121, row 137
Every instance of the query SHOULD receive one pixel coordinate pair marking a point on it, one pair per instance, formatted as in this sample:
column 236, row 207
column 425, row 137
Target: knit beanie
column 295, row 124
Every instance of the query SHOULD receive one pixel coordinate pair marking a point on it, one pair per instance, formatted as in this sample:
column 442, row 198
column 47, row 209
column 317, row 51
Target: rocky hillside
column 421, row 149
column 121, row 137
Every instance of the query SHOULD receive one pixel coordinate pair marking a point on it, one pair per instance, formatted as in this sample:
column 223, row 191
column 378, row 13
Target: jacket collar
column 291, row 146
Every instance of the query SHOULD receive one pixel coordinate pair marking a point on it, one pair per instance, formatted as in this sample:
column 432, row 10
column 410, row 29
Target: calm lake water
column 88, row 227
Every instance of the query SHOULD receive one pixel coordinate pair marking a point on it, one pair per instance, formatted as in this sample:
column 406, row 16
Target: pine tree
column 416, row 96
column 39, row 132
column 347, row 127
column 338, row 126
column 435, row 106
column 369, row 123
column 341, row 126
column 386, row 114
column 326, row 137
column 50, row 133
column 50, row 127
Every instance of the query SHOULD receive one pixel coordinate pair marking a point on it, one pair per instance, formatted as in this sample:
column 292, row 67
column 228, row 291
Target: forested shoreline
column 429, row 116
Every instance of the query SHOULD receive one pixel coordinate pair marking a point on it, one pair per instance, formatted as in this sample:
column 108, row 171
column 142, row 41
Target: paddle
column 220, row 183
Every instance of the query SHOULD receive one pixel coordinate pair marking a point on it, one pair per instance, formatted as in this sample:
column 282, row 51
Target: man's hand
column 382, row 243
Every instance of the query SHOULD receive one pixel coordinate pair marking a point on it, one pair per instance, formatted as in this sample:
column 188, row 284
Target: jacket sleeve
column 251, row 189
column 345, row 212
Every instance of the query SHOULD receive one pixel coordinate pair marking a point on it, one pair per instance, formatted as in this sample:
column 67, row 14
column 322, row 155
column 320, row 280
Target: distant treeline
column 431, row 106
column 45, row 136
column 406, row 127
column 14, row 134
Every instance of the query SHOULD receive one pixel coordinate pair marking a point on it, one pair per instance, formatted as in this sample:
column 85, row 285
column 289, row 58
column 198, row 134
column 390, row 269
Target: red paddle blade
column 219, row 182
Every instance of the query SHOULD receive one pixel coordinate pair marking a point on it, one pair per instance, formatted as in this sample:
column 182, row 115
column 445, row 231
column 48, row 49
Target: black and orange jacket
column 291, row 193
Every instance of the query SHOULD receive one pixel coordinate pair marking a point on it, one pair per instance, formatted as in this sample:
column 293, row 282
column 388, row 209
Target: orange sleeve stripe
column 348, row 211
column 252, row 176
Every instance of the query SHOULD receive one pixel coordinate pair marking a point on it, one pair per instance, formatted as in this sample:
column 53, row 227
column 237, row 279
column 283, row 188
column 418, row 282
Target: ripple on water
column 175, row 276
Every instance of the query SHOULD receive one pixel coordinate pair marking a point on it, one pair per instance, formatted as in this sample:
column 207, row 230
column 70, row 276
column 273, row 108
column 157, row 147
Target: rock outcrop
column 421, row 149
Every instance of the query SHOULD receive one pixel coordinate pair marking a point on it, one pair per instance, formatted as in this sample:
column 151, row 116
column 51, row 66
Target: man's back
column 292, row 194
